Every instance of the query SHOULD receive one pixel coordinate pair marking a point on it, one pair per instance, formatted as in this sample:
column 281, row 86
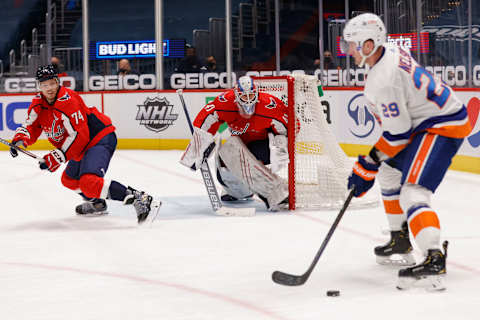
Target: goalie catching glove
column 278, row 151
column 198, row 150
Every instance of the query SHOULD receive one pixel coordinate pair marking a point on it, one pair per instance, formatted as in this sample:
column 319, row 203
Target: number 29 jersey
column 407, row 99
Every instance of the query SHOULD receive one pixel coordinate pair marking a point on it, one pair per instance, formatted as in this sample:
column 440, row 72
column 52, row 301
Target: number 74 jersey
column 407, row 99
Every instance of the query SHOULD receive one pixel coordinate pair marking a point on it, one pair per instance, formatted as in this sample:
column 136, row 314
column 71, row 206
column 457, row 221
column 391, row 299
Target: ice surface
column 191, row 264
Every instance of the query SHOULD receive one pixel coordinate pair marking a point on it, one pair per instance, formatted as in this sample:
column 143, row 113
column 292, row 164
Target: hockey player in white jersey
column 423, row 126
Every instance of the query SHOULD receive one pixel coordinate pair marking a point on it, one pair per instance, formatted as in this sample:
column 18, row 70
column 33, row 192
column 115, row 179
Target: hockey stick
column 208, row 180
column 293, row 280
column 28, row 153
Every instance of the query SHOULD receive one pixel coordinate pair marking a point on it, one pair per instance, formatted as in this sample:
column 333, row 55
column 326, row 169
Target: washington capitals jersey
column 68, row 123
column 270, row 115
column 407, row 99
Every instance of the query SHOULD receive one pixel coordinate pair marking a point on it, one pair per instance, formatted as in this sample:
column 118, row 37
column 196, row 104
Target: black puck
column 333, row 293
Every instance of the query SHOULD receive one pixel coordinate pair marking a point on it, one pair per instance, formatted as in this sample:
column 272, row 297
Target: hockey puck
column 333, row 293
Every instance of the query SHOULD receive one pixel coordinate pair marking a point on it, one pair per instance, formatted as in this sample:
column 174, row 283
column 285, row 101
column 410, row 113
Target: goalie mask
column 246, row 95
column 366, row 26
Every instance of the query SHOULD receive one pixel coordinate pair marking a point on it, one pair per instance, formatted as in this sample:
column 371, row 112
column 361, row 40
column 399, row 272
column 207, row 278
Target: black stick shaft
column 294, row 280
column 330, row 232
column 28, row 153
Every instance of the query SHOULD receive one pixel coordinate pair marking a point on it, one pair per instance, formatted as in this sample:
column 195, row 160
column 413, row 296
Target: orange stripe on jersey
column 422, row 154
column 387, row 148
column 458, row 132
column 424, row 220
column 392, row 207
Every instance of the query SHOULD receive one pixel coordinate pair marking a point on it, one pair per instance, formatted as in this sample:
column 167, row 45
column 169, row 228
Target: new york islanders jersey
column 407, row 99
column 68, row 123
column 270, row 114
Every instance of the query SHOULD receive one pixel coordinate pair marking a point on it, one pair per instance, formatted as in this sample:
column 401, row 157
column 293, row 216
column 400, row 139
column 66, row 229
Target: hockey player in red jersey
column 247, row 162
column 85, row 139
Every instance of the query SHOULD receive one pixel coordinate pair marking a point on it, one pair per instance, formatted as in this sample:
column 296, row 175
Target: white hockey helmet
column 246, row 95
column 366, row 26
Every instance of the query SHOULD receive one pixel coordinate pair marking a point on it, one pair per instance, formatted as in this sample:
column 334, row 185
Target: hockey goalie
column 248, row 162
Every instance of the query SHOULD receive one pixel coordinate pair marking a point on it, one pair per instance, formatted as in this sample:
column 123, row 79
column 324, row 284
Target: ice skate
column 429, row 274
column 146, row 207
column 398, row 251
column 229, row 198
column 94, row 207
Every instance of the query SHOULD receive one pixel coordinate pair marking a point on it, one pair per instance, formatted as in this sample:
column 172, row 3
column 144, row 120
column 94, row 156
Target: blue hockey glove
column 363, row 175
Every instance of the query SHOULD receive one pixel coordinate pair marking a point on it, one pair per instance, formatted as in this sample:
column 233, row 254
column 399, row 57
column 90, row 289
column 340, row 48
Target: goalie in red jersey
column 248, row 161
column 85, row 139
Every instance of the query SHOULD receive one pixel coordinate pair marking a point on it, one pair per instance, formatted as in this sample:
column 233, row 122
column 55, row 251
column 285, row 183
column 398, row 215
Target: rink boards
column 154, row 119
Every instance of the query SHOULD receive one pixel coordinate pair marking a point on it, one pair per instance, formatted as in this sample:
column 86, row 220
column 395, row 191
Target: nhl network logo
column 156, row 114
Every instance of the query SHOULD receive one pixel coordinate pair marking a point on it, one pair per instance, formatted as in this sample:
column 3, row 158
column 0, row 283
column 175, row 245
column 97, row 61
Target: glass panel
column 446, row 25
column 442, row 46
column 201, row 24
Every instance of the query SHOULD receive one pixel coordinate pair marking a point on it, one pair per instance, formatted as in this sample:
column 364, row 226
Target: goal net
column 318, row 169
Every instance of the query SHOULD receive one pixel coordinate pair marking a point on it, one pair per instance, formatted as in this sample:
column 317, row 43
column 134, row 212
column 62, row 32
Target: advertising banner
column 155, row 119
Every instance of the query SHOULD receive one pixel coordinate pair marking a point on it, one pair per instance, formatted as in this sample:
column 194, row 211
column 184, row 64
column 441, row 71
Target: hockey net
column 318, row 169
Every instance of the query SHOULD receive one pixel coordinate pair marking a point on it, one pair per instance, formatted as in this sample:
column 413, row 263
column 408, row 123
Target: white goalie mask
column 366, row 26
column 246, row 95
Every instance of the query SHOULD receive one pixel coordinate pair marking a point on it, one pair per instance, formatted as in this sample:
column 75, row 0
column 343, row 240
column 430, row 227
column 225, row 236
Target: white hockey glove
column 198, row 150
column 278, row 151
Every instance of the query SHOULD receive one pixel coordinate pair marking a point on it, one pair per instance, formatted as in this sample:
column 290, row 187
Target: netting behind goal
column 318, row 168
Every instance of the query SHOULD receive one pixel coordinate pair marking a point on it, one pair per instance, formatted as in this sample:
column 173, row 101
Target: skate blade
column 396, row 260
column 152, row 215
column 432, row 283
column 93, row 214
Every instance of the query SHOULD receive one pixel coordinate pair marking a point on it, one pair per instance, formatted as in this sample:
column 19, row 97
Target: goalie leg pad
column 231, row 184
column 245, row 167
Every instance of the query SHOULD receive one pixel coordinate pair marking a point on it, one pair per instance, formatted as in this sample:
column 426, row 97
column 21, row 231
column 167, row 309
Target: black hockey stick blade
column 287, row 279
column 28, row 153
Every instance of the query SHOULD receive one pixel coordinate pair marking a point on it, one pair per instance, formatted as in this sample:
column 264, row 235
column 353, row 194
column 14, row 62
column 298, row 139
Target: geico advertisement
column 160, row 115
column 452, row 75
column 14, row 85
column 13, row 110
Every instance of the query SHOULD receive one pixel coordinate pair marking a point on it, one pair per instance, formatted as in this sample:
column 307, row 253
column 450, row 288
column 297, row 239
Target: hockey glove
column 363, row 175
column 198, row 150
column 19, row 139
column 52, row 160
column 278, row 151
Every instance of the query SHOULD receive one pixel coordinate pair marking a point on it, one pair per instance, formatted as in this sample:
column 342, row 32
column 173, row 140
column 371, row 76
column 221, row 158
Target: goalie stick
column 28, row 153
column 294, row 280
column 208, row 180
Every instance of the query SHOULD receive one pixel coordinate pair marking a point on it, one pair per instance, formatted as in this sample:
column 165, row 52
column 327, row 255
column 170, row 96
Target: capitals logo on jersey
column 56, row 131
column 65, row 97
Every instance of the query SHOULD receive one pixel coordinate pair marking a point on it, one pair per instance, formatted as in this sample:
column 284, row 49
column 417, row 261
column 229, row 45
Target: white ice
column 191, row 264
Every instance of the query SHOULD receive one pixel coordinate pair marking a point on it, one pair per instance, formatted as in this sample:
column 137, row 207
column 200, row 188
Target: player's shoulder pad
column 227, row 96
